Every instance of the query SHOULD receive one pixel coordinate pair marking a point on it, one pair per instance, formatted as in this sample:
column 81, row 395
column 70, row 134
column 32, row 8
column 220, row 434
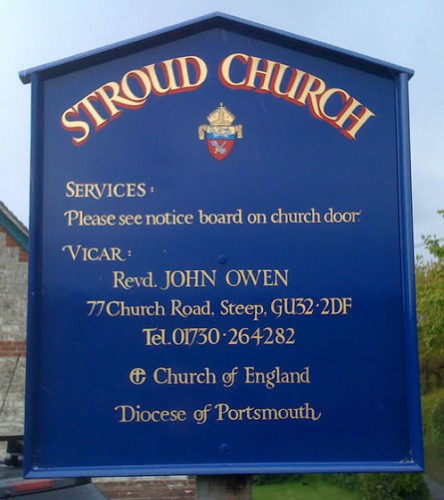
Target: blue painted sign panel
column 221, row 262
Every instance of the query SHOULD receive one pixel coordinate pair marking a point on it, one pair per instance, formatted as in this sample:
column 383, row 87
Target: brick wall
column 13, row 300
column 149, row 488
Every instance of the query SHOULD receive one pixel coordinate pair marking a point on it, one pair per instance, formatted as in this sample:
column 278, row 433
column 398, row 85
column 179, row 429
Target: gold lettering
column 81, row 219
column 302, row 89
column 178, row 308
column 130, row 413
column 118, row 308
column 292, row 87
column 224, row 70
column 229, row 218
column 281, row 217
column 187, row 73
column 192, row 278
column 265, row 74
column 86, row 105
column 312, row 89
column 200, row 69
column 144, row 82
column 108, row 190
column 167, row 376
column 113, row 96
column 325, row 97
column 257, row 277
column 94, row 254
column 276, row 376
column 357, row 120
column 304, row 412
column 75, row 126
column 120, row 280
column 228, row 308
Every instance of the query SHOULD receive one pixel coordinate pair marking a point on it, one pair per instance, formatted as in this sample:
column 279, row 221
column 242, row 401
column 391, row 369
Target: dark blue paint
column 363, row 366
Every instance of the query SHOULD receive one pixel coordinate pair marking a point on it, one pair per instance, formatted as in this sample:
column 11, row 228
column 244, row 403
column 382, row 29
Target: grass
column 434, row 462
column 310, row 487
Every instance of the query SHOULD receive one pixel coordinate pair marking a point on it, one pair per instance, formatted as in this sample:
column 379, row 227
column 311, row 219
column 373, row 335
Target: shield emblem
column 220, row 148
column 220, row 134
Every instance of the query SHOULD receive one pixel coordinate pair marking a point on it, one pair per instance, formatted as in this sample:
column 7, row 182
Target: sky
column 407, row 33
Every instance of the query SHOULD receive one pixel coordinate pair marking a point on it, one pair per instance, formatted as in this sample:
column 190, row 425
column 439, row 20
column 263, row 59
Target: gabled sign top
column 214, row 20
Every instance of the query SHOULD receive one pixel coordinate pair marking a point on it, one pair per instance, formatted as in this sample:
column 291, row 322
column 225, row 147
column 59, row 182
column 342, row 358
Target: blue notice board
column 221, row 273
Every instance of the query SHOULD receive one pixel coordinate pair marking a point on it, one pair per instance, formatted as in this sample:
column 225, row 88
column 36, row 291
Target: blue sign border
column 37, row 76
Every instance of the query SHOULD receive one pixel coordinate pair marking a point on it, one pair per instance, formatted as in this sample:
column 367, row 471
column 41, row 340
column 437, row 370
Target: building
column 13, row 299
